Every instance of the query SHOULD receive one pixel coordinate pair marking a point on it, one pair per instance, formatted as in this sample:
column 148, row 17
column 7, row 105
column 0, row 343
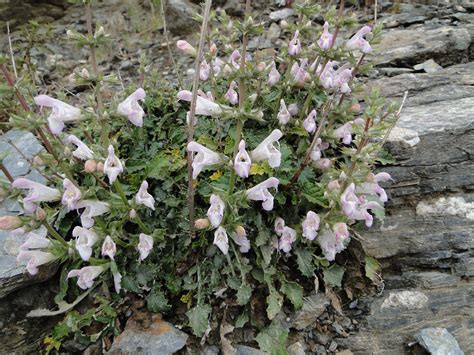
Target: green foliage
column 199, row 318
column 273, row 339
column 333, row 275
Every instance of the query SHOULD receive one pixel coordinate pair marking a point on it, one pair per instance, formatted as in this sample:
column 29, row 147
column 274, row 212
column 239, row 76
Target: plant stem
column 230, row 264
column 55, row 234
column 242, row 97
column 170, row 53
column 192, row 114
column 6, row 172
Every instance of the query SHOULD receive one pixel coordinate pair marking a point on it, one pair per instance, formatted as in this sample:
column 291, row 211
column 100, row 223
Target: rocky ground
column 426, row 244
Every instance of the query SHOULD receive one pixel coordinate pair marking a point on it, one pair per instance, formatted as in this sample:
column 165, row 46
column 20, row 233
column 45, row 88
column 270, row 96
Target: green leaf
column 243, row 294
column 241, row 320
column 273, row 339
column 63, row 286
column 333, row 275
column 305, row 262
column 294, row 293
column 372, row 266
column 274, row 302
column 198, row 319
column 157, row 302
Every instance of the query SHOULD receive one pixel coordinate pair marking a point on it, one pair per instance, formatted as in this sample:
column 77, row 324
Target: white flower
column 143, row 197
column 274, row 76
column 204, row 71
column 309, row 123
column 109, row 248
column 333, row 241
column 85, row 240
column 82, row 152
column 86, row 275
column 283, row 114
column 294, row 48
column 112, row 166
column 279, row 225
column 311, row 225
column 203, row 157
column 61, row 112
column 130, row 107
column 204, row 106
column 221, row 240
column 242, row 161
column 267, row 151
column 242, row 241
column 145, row 245
column 326, row 39
column 71, row 195
column 260, row 193
column 359, row 42
column 215, row 213
column 288, row 236
column 36, row 193
column 231, row 95
column 34, row 258
column 117, row 281
column 344, row 133
column 35, row 241
column 92, row 209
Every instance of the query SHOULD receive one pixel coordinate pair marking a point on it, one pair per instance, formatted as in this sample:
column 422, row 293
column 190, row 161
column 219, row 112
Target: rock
column 296, row 349
column 407, row 47
column 313, row 307
column 210, row 350
column 180, row 16
column 281, row 14
column 430, row 66
column 247, row 350
column 159, row 337
column 438, row 341
column 394, row 71
column 273, row 31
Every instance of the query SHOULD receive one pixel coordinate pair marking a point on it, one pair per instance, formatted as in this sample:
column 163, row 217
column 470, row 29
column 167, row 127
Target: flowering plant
column 280, row 151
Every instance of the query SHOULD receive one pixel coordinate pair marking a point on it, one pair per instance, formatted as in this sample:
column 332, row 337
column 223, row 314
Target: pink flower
column 356, row 207
column 112, row 166
column 283, row 115
column 344, row 132
column 35, row 241
column 235, row 59
column 358, row 42
column 231, row 95
column 61, row 112
column 294, row 47
column 332, row 241
column 260, row 193
column 221, row 240
column 91, row 209
column 299, row 73
column 71, row 195
column 34, row 259
column 279, row 226
column 334, row 185
column 372, row 186
column 293, row 109
column 145, row 245
column 82, row 152
column 109, row 248
column 309, row 123
column 327, row 75
column 241, row 240
column 318, row 148
column 203, row 157
column 117, row 280
column 322, row 164
column 217, row 65
column 143, row 197
column 186, row 47
column 267, row 151
column 242, row 161
column 215, row 213
column 274, row 76
column 341, row 79
column 86, row 275
column 204, row 71
column 204, row 106
column 36, row 193
column 326, row 39
column 85, row 240
column 130, row 107
column 311, row 225
column 288, row 237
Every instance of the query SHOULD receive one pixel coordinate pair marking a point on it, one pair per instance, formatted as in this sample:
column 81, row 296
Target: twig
column 11, row 50
column 375, row 11
column 6, row 172
column 192, row 114
column 168, row 44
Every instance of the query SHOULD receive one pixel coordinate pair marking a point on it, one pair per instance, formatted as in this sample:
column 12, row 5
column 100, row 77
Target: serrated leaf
column 198, row 319
column 333, row 276
column 243, row 294
column 241, row 320
column 304, row 259
column 274, row 303
column 157, row 302
column 372, row 266
column 273, row 339
column 294, row 293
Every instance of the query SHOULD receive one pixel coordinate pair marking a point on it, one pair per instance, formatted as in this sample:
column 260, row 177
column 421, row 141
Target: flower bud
column 261, row 66
column 38, row 161
column 40, row 214
column 10, row 223
column 355, row 108
column 186, row 47
column 100, row 167
column 69, row 34
column 334, row 185
column 132, row 214
column 85, row 73
column 90, row 166
column 213, row 49
column 201, row 223
column 284, row 24
column 240, row 231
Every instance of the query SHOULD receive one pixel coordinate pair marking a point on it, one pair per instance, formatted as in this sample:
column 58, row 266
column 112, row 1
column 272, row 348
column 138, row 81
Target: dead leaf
column 335, row 302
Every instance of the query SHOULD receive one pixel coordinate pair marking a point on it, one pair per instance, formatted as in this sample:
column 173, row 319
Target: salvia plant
column 242, row 186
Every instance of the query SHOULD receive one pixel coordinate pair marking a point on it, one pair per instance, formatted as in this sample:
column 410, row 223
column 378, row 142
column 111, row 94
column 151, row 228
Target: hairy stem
column 55, row 234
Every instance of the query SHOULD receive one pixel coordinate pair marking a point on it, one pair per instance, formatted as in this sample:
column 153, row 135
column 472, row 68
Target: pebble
column 281, row 14
column 438, row 341
column 430, row 66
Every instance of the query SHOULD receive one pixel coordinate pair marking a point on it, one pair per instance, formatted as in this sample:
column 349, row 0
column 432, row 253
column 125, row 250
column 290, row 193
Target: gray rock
column 313, row 307
column 273, row 31
column 160, row 338
column 180, row 16
column 281, row 14
column 430, row 66
column 296, row 349
column 247, row 350
column 210, row 350
column 438, row 341
column 395, row 71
